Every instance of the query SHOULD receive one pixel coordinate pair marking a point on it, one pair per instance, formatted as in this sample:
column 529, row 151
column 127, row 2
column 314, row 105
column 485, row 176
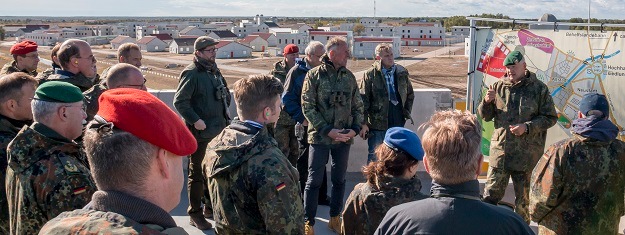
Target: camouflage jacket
column 47, row 175
column 529, row 102
column 279, row 71
column 374, row 92
column 368, row 203
column 91, row 99
column 578, row 187
column 11, row 67
column 331, row 100
column 79, row 80
column 43, row 76
column 112, row 212
column 253, row 187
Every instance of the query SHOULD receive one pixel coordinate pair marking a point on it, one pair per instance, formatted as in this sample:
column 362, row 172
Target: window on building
column 245, row 52
column 293, row 41
column 408, row 35
column 280, row 41
column 409, row 31
column 430, row 36
column 361, row 44
column 403, row 30
column 381, row 30
column 312, row 37
column 299, row 41
column 430, row 31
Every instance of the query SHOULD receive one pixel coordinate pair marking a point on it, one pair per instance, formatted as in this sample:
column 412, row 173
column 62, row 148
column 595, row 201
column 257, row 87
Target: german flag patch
column 80, row 190
column 280, row 186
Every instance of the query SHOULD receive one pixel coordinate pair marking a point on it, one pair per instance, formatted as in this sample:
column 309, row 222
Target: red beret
column 23, row 48
column 148, row 118
column 290, row 49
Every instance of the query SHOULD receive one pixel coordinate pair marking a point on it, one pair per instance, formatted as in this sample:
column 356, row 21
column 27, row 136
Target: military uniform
column 284, row 132
column 79, row 80
column 330, row 100
column 529, row 102
column 91, row 100
column 11, row 67
column 577, row 186
column 253, row 187
column 368, row 203
column 47, row 175
column 113, row 212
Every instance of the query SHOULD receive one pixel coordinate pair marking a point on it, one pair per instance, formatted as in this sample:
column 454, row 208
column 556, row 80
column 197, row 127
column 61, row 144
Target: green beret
column 513, row 58
column 204, row 42
column 58, row 92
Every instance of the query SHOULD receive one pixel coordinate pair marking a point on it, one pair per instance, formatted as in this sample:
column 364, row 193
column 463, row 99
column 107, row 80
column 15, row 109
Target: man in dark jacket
column 452, row 158
column 577, row 185
column 25, row 59
column 78, row 65
column 202, row 98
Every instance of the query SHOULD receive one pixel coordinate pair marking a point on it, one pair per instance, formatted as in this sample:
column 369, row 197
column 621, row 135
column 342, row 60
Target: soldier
column 48, row 172
column 292, row 100
column 451, row 143
column 16, row 91
column 391, row 180
column 522, row 109
column 138, row 181
column 577, row 185
column 202, row 99
column 253, row 186
column 128, row 53
column 78, row 65
column 25, row 59
column 387, row 95
column 284, row 131
column 333, row 107
column 43, row 76
column 119, row 76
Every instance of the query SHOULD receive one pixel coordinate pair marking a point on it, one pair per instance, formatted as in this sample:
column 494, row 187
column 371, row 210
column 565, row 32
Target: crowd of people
column 82, row 153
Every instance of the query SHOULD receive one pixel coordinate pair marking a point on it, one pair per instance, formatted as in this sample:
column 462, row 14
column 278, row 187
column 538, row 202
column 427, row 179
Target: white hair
column 42, row 110
column 312, row 47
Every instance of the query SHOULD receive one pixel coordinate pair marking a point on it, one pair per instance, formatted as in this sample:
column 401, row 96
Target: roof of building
column 263, row 35
column 224, row 43
column 13, row 28
column 548, row 18
column 119, row 39
column 271, row 24
column 225, row 34
column 187, row 29
column 250, row 38
column 147, row 39
column 162, row 36
column 422, row 39
column 184, row 41
column 331, row 33
column 423, row 24
column 374, row 39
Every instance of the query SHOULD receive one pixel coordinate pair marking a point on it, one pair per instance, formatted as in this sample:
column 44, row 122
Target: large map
column 571, row 63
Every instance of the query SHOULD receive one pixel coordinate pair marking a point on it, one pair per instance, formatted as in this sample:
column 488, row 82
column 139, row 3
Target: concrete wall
column 427, row 101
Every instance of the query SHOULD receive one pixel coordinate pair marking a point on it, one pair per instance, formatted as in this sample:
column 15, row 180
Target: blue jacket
column 292, row 97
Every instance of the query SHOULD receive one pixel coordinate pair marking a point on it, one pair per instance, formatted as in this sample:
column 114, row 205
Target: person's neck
column 58, row 129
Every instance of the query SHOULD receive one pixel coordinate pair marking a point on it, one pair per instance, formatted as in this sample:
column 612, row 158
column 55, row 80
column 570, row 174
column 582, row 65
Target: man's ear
column 377, row 57
column 10, row 105
column 426, row 164
column 479, row 166
column 162, row 162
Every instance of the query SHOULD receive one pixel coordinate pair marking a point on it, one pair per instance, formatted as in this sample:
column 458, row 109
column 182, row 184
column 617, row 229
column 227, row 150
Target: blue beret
column 594, row 101
column 399, row 138
column 58, row 92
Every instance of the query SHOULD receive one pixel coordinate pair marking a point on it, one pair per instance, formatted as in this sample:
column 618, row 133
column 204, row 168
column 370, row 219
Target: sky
column 524, row 9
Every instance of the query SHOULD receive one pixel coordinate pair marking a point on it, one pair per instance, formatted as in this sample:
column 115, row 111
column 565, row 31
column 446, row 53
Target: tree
column 1, row 33
column 358, row 29
column 455, row 21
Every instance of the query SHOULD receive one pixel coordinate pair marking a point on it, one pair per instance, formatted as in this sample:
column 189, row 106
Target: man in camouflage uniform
column 577, row 185
column 387, row 95
column 139, row 182
column 78, row 65
column 253, row 186
column 284, row 131
column 25, row 59
column 119, row 76
column 127, row 53
column 43, row 76
column 333, row 107
column 16, row 91
column 48, row 172
column 202, row 99
column 522, row 109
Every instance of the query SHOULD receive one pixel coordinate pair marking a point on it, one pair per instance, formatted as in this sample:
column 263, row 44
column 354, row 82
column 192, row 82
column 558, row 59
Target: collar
column 135, row 208
column 254, row 124
column 48, row 132
column 16, row 123
column 385, row 70
column 205, row 65
column 466, row 190
column 64, row 72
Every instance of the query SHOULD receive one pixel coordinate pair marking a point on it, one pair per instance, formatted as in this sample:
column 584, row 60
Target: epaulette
column 68, row 165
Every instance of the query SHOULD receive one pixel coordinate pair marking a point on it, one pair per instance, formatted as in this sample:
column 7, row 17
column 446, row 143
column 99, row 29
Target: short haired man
column 43, row 76
column 253, row 186
column 292, row 100
column 48, row 172
column 387, row 95
column 128, row 53
column 16, row 91
column 284, row 131
column 25, row 59
column 138, row 181
column 119, row 76
column 78, row 65
column 577, row 185
column 202, row 99
column 333, row 107
column 452, row 158
column 522, row 109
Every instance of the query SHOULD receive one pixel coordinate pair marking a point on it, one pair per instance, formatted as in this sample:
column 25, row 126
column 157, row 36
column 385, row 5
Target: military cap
column 204, row 42
column 513, row 58
column 23, row 47
column 148, row 118
column 58, row 92
column 290, row 49
column 594, row 101
column 402, row 139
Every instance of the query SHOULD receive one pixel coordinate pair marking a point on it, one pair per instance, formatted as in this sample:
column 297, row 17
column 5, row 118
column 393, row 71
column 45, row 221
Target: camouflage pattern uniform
column 577, row 187
column 8, row 131
column 11, row 67
column 284, row 132
column 47, row 175
column 368, row 203
column 529, row 102
column 91, row 100
column 79, row 80
column 253, row 188
column 112, row 212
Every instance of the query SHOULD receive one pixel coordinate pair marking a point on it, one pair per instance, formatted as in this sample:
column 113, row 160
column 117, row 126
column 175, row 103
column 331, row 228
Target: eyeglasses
column 91, row 57
column 83, row 107
column 140, row 86
column 212, row 50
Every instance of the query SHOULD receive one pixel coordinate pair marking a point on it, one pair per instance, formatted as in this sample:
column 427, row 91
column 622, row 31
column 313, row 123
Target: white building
column 300, row 28
column 271, row 39
column 83, row 31
column 182, row 45
column 368, row 21
column 257, row 43
column 364, row 47
column 380, row 30
column 232, row 49
column 191, row 31
column 119, row 40
column 13, row 31
column 323, row 36
column 299, row 39
column 151, row 44
column 421, row 33
column 223, row 35
column 45, row 37
column 460, row 30
column 330, row 28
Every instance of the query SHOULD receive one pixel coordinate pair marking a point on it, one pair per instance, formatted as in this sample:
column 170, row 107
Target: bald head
column 125, row 75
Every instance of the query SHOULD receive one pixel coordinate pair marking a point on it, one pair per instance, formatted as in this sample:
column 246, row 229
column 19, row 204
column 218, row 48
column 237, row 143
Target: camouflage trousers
column 495, row 188
column 287, row 142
